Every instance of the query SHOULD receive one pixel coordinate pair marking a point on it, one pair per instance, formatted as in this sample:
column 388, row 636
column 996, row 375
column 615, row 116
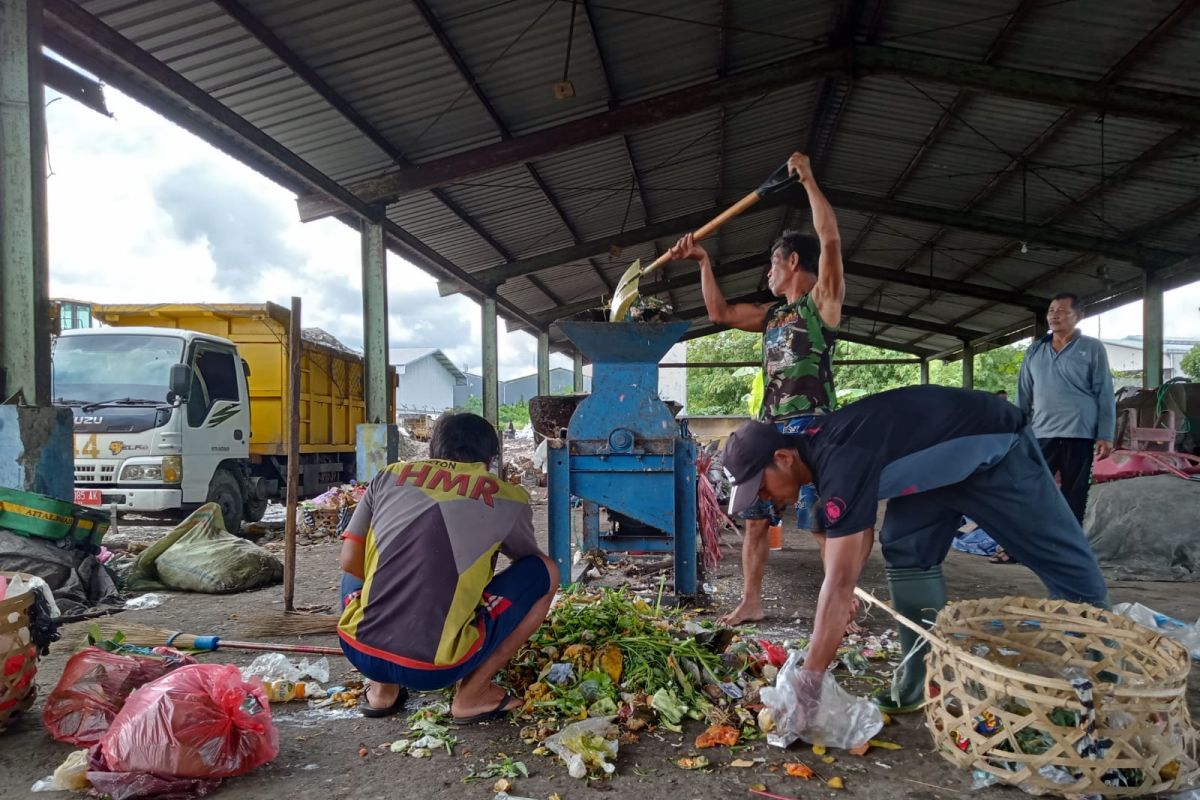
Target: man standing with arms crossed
column 798, row 337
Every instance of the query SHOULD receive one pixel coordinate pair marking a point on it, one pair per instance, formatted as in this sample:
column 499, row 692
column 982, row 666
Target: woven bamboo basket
column 322, row 523
column 1060, row 698
column 18, row 656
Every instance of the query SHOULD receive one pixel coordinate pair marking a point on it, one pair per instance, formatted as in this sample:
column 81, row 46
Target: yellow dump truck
column 178, row 405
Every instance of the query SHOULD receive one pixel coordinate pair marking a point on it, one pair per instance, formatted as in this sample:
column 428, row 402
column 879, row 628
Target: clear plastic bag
column 278, row 667
column 70, row 776
column 1187, row 635
column 841, row 719
column 586, row 747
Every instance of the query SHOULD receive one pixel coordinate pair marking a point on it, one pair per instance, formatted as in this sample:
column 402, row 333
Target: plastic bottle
column 281, row 691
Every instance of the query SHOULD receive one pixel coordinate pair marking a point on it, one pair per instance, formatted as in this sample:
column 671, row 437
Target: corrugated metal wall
column 425, row 386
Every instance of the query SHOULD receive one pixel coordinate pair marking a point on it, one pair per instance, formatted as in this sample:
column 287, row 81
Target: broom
column 146, row 636
column 292, row 624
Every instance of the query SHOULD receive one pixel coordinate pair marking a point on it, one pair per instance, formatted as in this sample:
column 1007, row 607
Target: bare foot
column 464, row 706
column 745, row 612
column 383, row 694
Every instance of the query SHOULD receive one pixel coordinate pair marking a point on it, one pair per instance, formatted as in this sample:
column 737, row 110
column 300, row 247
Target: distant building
column 1125, row 358
column 471, row 387
column 428, row 380
column 524, row 388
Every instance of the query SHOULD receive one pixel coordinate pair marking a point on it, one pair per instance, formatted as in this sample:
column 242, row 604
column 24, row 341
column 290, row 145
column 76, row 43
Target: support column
column 1040, row 328
column 968, row 366
column 491, row 366
column 1152, row 331
column 924, row 371
column 375, row 323
column 377, row 440
column 37, row 451
column 578, row 371
column 543, row 363
column 24, row 304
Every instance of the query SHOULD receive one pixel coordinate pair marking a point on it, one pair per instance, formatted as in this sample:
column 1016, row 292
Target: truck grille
column 96, row 473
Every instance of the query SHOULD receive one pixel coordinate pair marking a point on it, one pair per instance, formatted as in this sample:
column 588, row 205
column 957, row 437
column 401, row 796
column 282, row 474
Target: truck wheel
column 255, row 510
column 226, row 492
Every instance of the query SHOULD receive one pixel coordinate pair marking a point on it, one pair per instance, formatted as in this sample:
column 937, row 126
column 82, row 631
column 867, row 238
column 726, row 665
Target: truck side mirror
column 181, row 379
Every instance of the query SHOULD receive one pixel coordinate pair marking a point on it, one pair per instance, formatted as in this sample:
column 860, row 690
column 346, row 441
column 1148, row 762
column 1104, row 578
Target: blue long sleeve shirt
column 1068, row 394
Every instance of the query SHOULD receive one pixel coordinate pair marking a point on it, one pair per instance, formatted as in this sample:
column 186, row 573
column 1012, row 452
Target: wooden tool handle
column 707, row 229
column 871, row 599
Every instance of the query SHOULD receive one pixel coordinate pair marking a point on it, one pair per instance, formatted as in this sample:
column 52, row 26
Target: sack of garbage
column 589, row 748
column 201, row 556
column 839, row 718
column 200, row 721
column 94, row 686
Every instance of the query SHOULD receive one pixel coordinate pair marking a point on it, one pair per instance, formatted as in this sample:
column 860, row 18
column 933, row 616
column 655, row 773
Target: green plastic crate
column 30, row 514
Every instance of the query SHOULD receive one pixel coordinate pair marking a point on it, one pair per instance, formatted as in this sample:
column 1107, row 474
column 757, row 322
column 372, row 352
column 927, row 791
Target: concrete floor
column 319, row 755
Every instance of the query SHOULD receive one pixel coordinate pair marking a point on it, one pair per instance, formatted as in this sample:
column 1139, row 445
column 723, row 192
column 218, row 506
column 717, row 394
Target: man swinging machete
column 798, row 331
column 936, row 454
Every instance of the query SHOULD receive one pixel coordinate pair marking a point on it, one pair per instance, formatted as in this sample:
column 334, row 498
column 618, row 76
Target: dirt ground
column 319, row 752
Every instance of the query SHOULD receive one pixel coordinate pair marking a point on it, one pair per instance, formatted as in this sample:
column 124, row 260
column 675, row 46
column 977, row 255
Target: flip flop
column 371, row 712
column 1002, row 556
column 499, row 712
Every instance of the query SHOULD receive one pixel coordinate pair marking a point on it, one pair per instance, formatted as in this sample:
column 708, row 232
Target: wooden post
column 295, row 348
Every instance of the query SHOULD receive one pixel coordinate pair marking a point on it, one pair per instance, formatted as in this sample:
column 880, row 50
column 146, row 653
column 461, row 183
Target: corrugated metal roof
column 383, row 60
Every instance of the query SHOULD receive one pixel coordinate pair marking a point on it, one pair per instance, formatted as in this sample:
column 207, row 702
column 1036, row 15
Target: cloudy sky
column 142, row 211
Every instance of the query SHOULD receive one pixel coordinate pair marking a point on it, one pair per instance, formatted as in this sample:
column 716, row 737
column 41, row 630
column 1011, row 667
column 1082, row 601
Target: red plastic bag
column 200, row 721
column 94, row 686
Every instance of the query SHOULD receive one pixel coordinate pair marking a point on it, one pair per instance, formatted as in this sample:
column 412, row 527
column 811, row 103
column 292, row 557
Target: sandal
column 371, row 712
column 499, row 712
column 1002, row 556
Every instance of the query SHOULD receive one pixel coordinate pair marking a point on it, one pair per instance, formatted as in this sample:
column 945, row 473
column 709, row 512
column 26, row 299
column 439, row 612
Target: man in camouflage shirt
column 798, row 331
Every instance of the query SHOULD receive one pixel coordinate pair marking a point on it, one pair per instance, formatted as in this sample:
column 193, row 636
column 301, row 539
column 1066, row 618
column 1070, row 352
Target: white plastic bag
column 278, row 667
column 70, row 776
column 1186, row 635
column 843, row 720
column 585, row 747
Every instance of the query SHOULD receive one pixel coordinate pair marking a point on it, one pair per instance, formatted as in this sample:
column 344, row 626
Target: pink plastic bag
column 93, row 687
column 200, row 721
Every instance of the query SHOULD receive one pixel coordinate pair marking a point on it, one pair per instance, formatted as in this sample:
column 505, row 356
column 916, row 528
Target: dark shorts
column 765, row 509
column 506, row 601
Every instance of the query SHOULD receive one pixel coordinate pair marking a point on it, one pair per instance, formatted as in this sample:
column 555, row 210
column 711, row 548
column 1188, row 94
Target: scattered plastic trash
column 69, row 776
column 843, row 720
column 1187, row 635
column 278, row 667
column 586, row 747
column 105, row 555
column 561, row 674
column 145, row 601
column 94, row 686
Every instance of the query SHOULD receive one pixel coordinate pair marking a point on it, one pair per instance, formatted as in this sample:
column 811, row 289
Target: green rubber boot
column 917, row 594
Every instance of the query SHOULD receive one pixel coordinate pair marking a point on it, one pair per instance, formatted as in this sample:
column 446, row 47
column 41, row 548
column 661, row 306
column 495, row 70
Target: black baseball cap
column 748, row 451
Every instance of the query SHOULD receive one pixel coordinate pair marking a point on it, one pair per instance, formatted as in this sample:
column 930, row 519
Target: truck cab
column 162, row 420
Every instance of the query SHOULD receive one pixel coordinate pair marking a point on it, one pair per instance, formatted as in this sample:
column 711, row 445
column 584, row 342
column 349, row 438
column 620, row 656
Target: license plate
column 87, row 497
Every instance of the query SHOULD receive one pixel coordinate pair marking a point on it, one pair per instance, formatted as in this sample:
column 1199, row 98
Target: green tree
column 1191, row 362
column 516, row 413
column 722, row 390
column 855, row 381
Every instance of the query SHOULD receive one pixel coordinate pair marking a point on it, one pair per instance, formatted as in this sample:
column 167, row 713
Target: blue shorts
column 523, row 584
column 765, row 509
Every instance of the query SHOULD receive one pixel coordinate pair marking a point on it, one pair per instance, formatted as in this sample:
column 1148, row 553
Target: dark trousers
column 1019, row 506
column 1072, row 460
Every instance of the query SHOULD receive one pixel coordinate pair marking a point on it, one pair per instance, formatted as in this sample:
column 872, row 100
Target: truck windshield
column 96, row 368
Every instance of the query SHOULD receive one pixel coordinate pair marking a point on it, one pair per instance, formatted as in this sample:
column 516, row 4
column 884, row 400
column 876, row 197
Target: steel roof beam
column 856, row 60
column 841, row 199
column 710, row 328
column 75, row 85
column 104, row 52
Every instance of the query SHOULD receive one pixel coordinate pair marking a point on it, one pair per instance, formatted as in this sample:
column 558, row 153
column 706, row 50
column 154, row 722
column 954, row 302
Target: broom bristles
column 292, row 624
column 143, row 635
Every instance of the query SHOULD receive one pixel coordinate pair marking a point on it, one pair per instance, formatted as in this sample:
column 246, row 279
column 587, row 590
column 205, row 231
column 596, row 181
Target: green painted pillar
column 491, row 366
column 375, row 323
column 924, row 371
column 578, row 371
column 24, row 282
column 968, row 366
column 1152, row 331
column 543, row 363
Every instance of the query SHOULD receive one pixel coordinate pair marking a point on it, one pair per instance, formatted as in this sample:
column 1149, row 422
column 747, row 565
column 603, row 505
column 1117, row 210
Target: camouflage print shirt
column 797, row 355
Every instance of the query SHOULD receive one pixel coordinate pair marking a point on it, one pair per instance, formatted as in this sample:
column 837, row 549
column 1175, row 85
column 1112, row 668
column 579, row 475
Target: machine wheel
column 226, row 492
column 255, row 509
